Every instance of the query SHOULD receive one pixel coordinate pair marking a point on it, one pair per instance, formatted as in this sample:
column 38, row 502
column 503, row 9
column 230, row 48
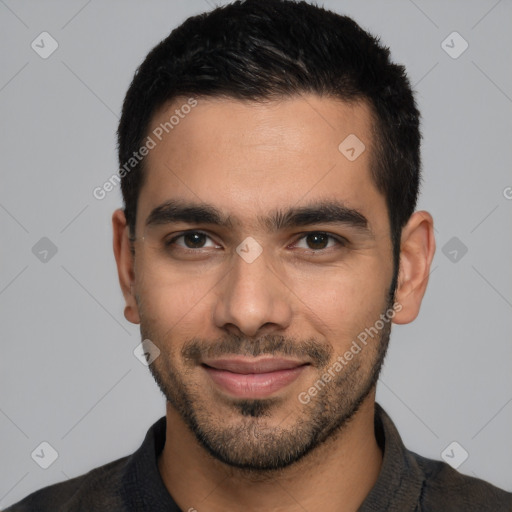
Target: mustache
column 195, row 350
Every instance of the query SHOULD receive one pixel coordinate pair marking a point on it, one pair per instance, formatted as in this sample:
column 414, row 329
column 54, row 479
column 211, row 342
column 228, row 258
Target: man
column 269, row 155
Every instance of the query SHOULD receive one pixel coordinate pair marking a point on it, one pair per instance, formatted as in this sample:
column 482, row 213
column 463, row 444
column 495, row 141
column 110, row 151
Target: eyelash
column 342, row 242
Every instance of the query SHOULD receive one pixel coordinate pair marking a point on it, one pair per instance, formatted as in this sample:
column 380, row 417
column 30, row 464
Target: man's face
column 262, row 252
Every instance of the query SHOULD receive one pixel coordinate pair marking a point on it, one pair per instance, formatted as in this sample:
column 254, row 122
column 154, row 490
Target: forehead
column 249, row 157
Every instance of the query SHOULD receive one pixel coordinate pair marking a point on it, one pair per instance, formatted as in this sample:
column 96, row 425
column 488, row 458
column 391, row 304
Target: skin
column 248, row 160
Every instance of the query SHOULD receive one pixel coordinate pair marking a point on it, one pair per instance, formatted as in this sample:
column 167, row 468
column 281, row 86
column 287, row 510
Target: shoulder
column 100, row 486
column 444, row 485
column 413, row 482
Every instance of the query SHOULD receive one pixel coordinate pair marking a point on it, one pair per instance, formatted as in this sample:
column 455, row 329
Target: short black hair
column 271, row 49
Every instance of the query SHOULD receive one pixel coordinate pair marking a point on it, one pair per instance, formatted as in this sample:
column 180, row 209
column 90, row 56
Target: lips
column 250, row 378
column 246, row 366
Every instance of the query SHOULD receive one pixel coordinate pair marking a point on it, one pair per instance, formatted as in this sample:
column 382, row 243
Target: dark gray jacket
column 407, row 483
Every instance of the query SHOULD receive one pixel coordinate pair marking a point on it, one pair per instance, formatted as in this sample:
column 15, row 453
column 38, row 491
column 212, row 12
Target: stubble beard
column 254, row 443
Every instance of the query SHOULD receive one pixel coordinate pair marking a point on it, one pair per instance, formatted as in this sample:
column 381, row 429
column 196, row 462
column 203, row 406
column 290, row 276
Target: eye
column 318, row 241
column 192, row 240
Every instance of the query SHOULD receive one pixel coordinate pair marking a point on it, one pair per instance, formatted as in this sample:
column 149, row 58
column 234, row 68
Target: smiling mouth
column 249, row 378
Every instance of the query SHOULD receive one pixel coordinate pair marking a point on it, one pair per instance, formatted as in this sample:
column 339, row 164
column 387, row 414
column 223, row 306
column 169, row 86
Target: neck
column 336, row 476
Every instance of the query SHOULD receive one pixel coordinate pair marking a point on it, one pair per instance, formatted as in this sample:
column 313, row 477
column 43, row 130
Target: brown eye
column 194, row 240
column 317, row 240
column 191, row 240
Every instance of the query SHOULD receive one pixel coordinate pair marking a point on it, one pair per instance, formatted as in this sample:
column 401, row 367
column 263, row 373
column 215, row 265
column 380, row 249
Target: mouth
column 253, row 378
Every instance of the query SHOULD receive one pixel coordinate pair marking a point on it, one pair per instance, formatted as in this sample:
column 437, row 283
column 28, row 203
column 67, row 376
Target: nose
column 252, row 300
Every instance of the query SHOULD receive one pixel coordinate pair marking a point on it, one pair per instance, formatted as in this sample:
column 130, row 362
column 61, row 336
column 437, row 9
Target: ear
column 417, row 248
column 125, row 265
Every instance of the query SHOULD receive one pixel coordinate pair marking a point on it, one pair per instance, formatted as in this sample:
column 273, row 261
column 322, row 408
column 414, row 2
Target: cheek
column 340, row 303
column 172, row 302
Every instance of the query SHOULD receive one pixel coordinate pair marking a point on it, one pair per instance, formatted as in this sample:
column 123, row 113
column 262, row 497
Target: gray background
column 68, row 375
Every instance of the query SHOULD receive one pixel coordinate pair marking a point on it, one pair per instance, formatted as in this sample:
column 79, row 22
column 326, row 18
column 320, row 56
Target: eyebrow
column 323, row 212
